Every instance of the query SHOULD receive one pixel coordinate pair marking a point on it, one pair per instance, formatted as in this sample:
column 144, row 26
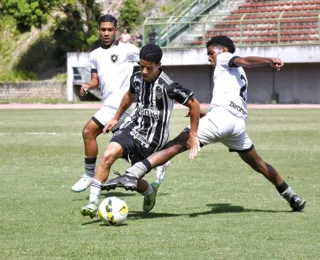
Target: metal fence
column 246, row 29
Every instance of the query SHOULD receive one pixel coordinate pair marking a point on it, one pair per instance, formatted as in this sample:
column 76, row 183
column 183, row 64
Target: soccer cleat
column 123, row 181
column 150, row 200
column 90, row 210
column 161, row 172
column 82, row 184
column 297, row 203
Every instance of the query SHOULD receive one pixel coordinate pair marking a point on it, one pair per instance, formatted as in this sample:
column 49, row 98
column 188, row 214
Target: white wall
column 288, row 54
column 185, row 58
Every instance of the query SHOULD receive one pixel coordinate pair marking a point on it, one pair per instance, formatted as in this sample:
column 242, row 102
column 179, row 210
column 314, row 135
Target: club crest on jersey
column 114, row 58
column 159, row 92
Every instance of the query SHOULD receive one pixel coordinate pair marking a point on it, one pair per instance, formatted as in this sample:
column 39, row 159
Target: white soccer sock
column 137, row 170
column 95, row 191
column 288, row 194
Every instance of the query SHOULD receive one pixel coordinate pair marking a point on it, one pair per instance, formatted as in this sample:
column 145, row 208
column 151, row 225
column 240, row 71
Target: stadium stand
column 268, row 22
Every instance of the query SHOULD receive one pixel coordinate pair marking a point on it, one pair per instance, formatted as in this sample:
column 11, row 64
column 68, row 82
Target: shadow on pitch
column 102, row 224
column 123, row 195
column 217, row 208
column 109, row 194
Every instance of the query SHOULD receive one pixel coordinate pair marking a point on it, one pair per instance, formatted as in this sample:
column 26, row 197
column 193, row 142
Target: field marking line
column 28, row 133
column 176, row 106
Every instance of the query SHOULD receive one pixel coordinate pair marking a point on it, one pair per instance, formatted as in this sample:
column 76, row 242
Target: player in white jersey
column 225, row 122
column 112, row 65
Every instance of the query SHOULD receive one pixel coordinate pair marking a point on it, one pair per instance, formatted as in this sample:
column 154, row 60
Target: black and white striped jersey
column 149, row 123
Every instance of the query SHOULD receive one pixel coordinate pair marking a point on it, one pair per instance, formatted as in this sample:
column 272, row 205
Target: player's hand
column 109, row 126
column 276, row 63
column 84, row 89
column 187, row 114
column 194, row 145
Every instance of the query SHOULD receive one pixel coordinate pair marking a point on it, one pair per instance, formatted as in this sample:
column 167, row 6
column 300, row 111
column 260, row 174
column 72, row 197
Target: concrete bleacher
column 269, row 22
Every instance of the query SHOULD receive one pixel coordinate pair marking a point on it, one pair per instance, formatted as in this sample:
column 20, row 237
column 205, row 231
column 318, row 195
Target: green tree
column 130, row 15
column 74, row 21
column 28, row 13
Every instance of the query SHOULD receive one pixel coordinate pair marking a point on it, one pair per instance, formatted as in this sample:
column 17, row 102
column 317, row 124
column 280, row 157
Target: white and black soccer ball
column 113, row 211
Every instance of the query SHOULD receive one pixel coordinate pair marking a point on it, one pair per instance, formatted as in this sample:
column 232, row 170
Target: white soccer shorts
column 219, row 125
column 105, row 114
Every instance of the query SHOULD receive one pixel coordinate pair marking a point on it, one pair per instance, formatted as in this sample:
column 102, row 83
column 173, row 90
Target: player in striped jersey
column 111, row 68
column 147, row 130
column 225, row 122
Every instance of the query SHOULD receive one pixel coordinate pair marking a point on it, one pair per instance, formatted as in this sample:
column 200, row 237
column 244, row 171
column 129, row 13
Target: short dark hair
column 224, row 41
column 107, row 18
column 151, row 52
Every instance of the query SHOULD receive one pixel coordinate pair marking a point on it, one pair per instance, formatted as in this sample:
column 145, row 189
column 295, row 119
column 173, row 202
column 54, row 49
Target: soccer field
column 214, row 207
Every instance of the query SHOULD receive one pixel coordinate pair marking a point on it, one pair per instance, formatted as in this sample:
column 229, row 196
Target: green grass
column 214, row 207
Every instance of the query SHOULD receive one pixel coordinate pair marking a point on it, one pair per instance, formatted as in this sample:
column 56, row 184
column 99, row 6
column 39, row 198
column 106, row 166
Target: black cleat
column 124, row 181
column 297, row 203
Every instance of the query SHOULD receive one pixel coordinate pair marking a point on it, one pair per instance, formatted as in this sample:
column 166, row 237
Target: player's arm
column 194, row 111
column 202, row 113
column 126, row 102
column 185, row 96
column 93, row 83
column 254, row 61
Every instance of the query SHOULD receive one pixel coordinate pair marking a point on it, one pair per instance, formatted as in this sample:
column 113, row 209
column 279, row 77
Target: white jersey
column 114, row 67
column 230, row 86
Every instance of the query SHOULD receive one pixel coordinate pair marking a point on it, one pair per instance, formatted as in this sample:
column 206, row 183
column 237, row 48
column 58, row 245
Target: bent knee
column 86, row 133
column 108, row 157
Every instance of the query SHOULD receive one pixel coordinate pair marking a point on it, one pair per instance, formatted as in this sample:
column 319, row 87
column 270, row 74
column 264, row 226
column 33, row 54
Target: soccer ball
column 113, row 211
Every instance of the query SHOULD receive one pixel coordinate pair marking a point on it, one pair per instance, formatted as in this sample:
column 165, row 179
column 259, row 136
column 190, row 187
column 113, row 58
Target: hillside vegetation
column 39, row 52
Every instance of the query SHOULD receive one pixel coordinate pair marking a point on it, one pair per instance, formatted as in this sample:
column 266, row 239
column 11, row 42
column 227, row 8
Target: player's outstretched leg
column 296, row 202
column 124, row 181
column 252, row 158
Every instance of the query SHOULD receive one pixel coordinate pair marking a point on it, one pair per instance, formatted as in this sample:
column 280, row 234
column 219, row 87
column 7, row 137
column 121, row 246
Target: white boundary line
column 177, row 106
column 29, row 133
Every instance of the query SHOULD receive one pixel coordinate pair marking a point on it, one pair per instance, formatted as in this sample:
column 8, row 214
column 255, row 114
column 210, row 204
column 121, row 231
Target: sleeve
column 226, row 60
column 178, row 93
column 93, row 63
column 231, row 63
column 133, row 54
column 132, row 88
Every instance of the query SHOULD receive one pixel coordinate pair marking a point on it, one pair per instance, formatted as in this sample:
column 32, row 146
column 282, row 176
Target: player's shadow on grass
column 228, row 208
column 217, row 208
column 106, row 194
column 102, row 224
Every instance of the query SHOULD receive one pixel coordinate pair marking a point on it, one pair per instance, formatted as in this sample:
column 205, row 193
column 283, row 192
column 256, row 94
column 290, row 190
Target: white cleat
column 161, row 172
column 82, row 184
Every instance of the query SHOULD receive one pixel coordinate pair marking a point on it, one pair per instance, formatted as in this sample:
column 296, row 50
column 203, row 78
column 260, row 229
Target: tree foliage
column 130, row 15
column 72, row 27
column 74, row 21
column 27, row 13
